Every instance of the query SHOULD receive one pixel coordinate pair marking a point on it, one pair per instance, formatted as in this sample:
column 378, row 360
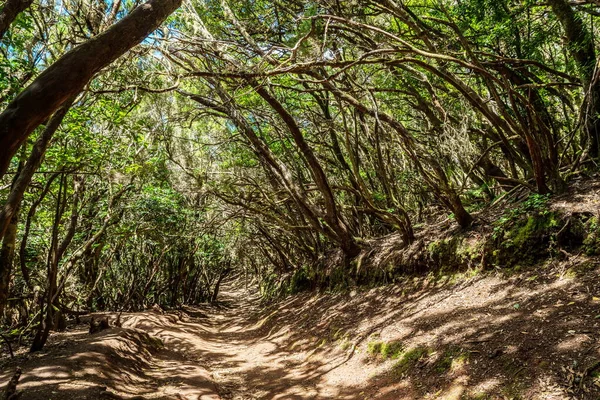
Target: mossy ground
column 409, row 359
column 591, row 243
column 522, row 236
column 392, row 350
column 451, row 359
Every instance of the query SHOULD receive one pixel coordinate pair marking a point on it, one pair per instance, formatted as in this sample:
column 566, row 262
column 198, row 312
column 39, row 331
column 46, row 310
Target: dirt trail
column 532, row 336
column 208, row 352
column 245, row 354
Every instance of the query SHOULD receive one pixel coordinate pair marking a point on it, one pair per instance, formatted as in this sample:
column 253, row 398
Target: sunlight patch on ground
column 487, row 386
column 574, row 342
column 455, row 392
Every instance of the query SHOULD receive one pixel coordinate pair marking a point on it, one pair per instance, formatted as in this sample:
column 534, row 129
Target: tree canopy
column 152, row 148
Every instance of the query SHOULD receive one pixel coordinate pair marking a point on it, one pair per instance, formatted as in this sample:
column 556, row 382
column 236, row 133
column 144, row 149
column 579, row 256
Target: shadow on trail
column 491, row 336
column 532, row 337
column 84, row 366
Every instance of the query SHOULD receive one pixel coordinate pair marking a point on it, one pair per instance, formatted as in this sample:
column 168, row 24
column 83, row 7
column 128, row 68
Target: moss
column 478, row 396
column 579, row 270
column 301, row 280
column 393, row 349
column 339, row 279
column 455, row 253
column 470, row 250
column 346, row 344
column 409, row 359
column 534, row 226
column 451, row 360
column 591, row 242
column 338, row 334
column 152, row 342
column 434, row 247
column 374, row 348
column 523, row 241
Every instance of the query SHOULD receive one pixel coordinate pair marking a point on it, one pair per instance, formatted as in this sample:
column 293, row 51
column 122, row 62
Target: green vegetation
column 374, row 348
column 156, row 151
column 591, row 243
column 451, row 360
column 392, row 350
column 301, row 145
column 409, row 359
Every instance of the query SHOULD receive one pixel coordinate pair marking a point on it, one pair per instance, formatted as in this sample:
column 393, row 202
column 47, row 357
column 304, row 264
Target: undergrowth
column 526, row 233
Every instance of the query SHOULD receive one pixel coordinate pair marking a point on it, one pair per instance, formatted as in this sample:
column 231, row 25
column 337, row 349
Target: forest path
column 529, row 336
column 224, row 352
column 228, row 351
column 534, row 335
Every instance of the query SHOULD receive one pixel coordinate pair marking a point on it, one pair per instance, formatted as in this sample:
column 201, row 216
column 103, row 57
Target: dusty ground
column 487, row 336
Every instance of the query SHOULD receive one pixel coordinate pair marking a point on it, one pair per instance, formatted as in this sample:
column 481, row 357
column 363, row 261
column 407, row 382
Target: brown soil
column 492, row 336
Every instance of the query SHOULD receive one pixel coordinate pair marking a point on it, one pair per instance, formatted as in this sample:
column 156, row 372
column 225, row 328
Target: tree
column 10, row 11
column 581, row 45
column 69, row 74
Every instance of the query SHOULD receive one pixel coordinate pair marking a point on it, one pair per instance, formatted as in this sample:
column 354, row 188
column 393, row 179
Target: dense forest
column 153, row 150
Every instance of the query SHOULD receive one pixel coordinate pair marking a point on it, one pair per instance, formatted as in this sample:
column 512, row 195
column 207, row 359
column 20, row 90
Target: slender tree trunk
column 581, row 46
column 46, row 310
column 7, row 250
column 215, row 293
column 33, row 163
column 332, row 216
column 25, row 238
column 57, row 250
column 440, row 186
column 7, row 258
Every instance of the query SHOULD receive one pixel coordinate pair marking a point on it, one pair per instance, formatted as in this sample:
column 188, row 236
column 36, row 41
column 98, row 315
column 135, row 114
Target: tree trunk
column 10, row 11
column 27, row 230
column 332, row 215
column 33, row 163
column 581, row 46
column 215, row 293
column 7, row 250
column 463, row 218
column 70, row 73
column 7, row 257
column 56, row 253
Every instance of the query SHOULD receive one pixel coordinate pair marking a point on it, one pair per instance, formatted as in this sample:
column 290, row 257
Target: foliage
column 280, row 140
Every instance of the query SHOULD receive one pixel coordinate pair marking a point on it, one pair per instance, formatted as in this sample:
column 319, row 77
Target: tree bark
column 69, row 74
column 33, row 163
column 27, row 230
column 10, row 11
column 332, row 216
column 57, row 251
column 440, row 186
column 7, row 257
column 222, row 276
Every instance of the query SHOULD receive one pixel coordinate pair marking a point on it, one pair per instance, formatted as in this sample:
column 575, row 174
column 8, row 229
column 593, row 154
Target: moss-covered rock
column 591, row 242
column 524, row 241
